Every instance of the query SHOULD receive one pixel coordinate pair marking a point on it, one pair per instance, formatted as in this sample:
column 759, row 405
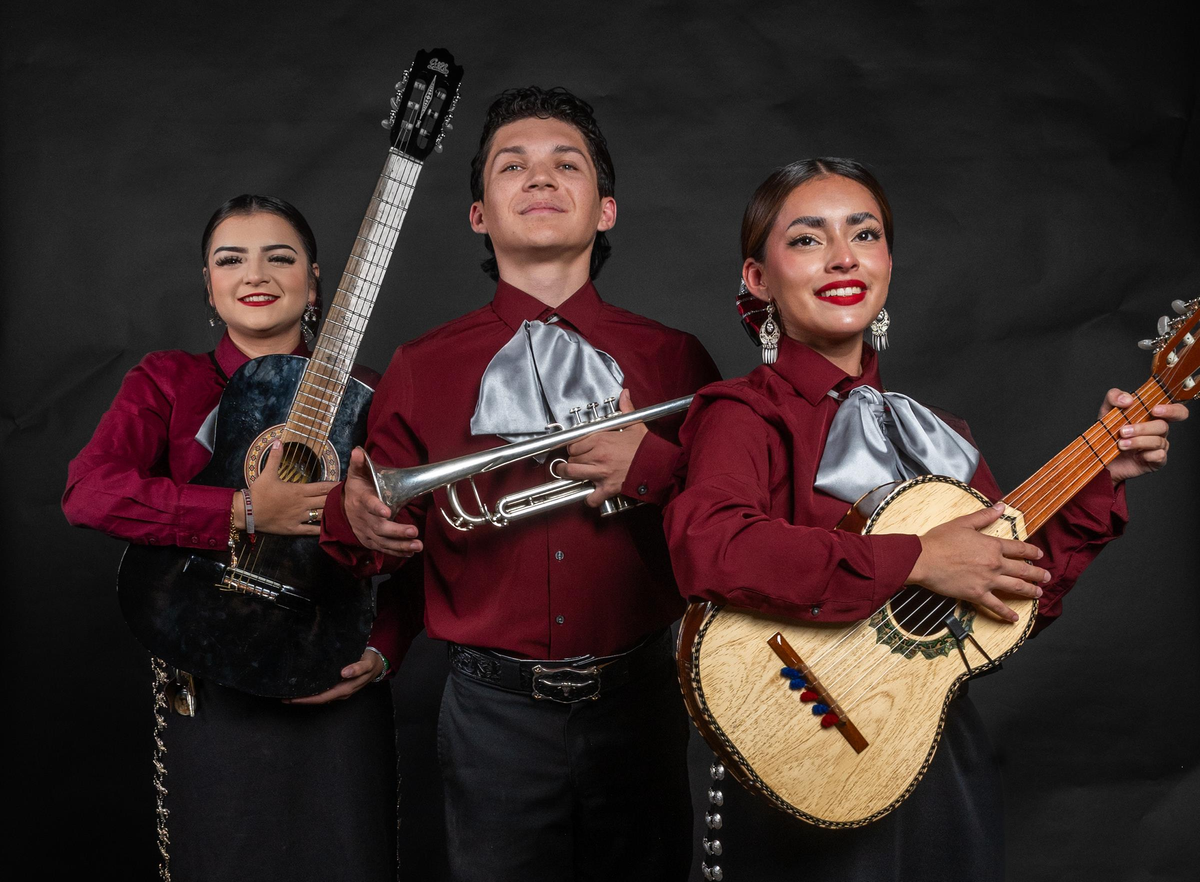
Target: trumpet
column 398, row 487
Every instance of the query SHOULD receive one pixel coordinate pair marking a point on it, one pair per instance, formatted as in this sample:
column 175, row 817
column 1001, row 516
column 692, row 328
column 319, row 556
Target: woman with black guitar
column 248, row 787
column 774, row 461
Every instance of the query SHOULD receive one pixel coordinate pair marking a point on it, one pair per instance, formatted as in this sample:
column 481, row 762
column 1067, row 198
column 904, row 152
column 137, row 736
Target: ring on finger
column 314, row 516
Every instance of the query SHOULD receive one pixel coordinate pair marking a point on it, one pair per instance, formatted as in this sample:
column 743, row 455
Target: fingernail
column 1124, row 443
column 999, row 506
column 1013, row 617
column 346, row 672
column 276, row 444
column 1126, row 431
column 1045, row 578
column 1125, row 399
column 1037, row 593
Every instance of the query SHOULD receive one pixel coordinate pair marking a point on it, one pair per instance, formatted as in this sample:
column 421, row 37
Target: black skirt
column 259, row 790
column 951, row 827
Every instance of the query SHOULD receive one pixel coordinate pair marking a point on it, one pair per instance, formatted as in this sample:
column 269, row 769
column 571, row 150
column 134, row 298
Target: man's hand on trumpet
column 370, row 519
column 604, row 458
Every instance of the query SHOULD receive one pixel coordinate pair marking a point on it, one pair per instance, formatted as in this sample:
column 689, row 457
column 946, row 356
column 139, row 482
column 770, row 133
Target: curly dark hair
column 557, row 103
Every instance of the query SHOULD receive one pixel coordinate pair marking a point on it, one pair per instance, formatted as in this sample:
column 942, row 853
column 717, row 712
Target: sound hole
column 300, row 464
column 920, row 612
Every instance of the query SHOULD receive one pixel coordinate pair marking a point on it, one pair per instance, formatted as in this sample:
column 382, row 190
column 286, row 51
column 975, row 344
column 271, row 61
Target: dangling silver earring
column 879, row 329
column 768, row 335
column 214, row 318
column 306, row 323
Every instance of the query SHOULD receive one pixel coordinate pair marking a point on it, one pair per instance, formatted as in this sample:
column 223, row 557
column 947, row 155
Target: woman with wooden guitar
column 774, row 460
column 248, row 787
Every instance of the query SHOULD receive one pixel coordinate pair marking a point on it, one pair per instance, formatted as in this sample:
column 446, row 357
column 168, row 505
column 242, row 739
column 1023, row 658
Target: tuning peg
column 450, row 128
column 386, row 123
column 395, row 102
column 1148, row 345
column 1164, row 325
column 437, row 148
column 1179, row 306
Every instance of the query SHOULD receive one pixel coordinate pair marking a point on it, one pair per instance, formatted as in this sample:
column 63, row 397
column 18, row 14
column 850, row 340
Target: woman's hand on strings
column 280, row 506
column 958, row 561
column 370, row 519
column 354, row 677
column 1143, row 445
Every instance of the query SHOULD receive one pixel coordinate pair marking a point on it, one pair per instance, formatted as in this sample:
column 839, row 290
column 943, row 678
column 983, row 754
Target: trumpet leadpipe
column 399, row 486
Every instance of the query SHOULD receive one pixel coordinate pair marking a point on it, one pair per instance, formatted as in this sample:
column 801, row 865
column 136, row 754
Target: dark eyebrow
column 567, row 148
column 859, row 217
column 241, row 250
column 520, row 151
column 808, row 220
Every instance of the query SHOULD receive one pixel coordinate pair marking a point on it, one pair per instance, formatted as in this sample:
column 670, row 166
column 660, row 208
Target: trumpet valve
column 611, row 403
column 576, row 417
column 593, row 411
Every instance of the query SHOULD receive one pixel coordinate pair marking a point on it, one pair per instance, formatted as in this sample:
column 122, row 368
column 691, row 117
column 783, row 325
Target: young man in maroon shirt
column 580, row 773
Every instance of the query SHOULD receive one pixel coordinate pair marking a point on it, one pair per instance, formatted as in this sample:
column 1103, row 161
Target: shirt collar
column 581, row 310
column 814, row 376
column 230, row 358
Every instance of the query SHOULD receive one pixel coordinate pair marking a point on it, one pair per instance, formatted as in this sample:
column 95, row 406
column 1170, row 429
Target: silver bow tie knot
column 536, row 379
column 879, row 437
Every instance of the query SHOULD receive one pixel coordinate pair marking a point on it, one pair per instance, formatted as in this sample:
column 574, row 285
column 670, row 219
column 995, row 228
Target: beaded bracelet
column 387, row 666
column 249, row 511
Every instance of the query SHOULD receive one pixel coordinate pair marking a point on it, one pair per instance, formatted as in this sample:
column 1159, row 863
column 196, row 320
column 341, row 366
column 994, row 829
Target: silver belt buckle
column 566, row 685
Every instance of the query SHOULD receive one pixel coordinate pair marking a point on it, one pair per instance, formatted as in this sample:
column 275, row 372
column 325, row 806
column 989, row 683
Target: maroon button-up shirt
column 557, row 585
column 749, row 529
column 131, row 480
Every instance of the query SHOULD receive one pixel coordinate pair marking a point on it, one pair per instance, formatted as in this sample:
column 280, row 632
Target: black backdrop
column 1042, row 163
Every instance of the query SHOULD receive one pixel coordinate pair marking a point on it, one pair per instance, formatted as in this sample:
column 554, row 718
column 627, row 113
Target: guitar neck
column 1053, row 485
column 324, row 382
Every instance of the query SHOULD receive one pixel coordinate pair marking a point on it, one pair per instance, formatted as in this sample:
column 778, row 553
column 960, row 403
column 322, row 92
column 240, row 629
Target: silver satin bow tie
column 879, row 437
column 537, row 377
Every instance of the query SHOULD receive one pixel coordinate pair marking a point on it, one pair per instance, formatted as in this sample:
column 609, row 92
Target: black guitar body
column 299, row 618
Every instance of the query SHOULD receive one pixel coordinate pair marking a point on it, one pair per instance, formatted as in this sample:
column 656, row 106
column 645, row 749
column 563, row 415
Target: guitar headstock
column 1176, row 359
column 423, row 104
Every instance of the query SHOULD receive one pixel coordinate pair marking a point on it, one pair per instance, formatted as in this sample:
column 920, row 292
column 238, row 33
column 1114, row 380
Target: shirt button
column 212, row 543
column 151, row 540
column 816, row 610
column 642, row 488
column 195, row 538
column 558, row 555
column 559, row 619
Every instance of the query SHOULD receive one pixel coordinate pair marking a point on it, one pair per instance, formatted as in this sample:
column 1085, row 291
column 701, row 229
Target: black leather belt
column 565, row 680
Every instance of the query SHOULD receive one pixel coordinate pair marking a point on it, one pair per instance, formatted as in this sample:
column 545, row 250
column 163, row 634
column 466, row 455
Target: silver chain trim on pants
column 161, row 710
column 713, row 821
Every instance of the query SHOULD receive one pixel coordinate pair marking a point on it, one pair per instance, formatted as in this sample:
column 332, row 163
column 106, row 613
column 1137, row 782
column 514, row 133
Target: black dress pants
column 543, row 792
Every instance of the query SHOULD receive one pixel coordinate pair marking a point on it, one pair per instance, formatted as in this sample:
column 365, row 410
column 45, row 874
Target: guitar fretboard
column 324, row 382
column 1053, row 485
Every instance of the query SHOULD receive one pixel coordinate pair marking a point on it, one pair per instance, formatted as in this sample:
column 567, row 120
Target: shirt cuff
column 895, row 556
column 1100, row 507
column 340, row 543
column 651, row 473
column 206, row 522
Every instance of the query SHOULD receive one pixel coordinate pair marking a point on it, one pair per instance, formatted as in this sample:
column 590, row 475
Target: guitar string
column 1070, row 464
column 325, row 393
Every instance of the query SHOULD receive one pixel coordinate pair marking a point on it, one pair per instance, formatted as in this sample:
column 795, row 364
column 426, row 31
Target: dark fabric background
column 1042, row 163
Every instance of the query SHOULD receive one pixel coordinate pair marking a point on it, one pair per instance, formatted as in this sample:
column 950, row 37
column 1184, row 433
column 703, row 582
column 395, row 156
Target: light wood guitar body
column 890, row 677
column 887, row 681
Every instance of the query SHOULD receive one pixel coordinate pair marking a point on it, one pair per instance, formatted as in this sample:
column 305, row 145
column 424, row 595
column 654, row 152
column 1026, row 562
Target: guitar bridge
column 792, row 659
column 245, row 582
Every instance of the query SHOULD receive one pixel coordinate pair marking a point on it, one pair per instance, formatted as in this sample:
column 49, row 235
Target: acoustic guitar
column 274, row 615
column 836, row 723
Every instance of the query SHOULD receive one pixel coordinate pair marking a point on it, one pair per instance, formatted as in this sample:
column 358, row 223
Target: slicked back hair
column 248, row 203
